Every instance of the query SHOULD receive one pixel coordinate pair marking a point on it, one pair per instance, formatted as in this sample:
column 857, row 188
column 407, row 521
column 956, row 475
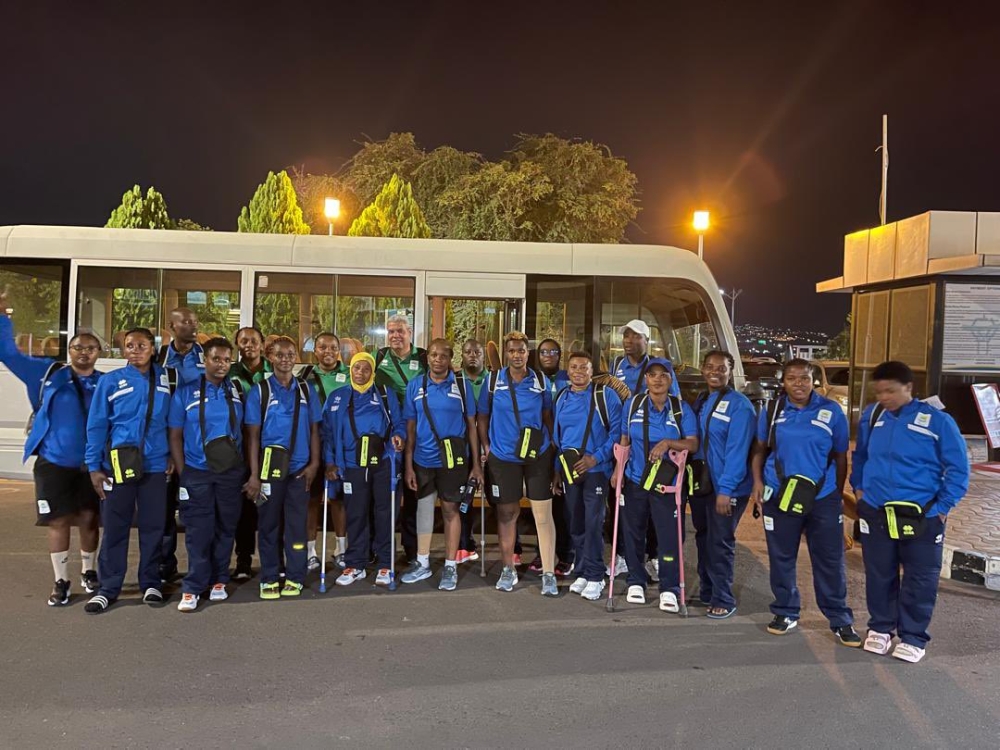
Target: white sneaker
column 878, row 643
column 907, row 652
column 382, row 579
column 312, row 563
column 653, row 570
column 593, row 591
column 636, row 595
column 621, row 567
column 578, row 586
column 350, row 575
column 218, row 593
column 189, row 603
column 668, row 602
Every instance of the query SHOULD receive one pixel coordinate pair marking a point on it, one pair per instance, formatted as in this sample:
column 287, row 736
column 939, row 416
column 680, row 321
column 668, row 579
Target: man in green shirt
column 395, row 366
column 327, row 375
column 251, row 368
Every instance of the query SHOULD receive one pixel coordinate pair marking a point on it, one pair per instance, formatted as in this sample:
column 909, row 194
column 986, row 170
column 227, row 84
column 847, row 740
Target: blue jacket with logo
column 190, row 367
column 625, row 371
column 916, row 453
column 662, row 426
column 534, row 396
column 118, row 417
column 184, row 414
column 59, row 431
column 726, row 437
column 445, row 403
column 340, row 446
column 280, row 414
column 571, row 409
column 805, row 438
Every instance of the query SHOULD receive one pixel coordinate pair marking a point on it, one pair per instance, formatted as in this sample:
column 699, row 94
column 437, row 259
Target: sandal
column 720, row 613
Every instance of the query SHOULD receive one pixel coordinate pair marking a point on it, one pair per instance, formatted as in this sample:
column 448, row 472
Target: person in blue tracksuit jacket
column 653, row 424
column 186, row 358
column 726, row 421
column 906, row 451
column 60, row 398
column 802, row 448
column 363, row 425
column 436, row 409
column 128, row 458
column 515, row 424
column 548, row 358
column 580, row 405
column 212, row 471
column 283, row 453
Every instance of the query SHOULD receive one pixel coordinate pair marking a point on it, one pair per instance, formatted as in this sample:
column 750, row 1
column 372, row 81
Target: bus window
column 559, row 309
column 113, row 300
column 355, row 307
column 678, row 319
column 36, row 306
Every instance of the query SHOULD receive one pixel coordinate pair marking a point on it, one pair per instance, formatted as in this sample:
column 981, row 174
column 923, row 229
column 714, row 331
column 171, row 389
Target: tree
column 393, row 213
column 140, row 212
column 839, row 347
column 440, row 170
column 274, row 209
column 190, row 225
column 312, row 191
column 594, row 195
column 377, row 161
column 496, row 202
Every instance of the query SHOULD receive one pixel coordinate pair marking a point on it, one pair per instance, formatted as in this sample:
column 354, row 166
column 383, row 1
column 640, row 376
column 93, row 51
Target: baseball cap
column 638, row 326
column 666, row 364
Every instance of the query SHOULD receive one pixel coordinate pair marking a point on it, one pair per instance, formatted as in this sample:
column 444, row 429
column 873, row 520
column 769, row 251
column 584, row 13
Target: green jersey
column 323, row 382
column 396, row 373
column 475, row 382
column 240, row 373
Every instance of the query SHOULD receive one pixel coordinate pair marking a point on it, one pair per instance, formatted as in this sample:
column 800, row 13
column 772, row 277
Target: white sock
column 60, row 565
column 450, row 564
column 424, row 560
column 341, row 545
column 88, row 560
column 311, row 549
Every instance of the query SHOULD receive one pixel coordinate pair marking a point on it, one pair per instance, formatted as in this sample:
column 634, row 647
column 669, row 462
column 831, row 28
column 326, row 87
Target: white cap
column 638, row 326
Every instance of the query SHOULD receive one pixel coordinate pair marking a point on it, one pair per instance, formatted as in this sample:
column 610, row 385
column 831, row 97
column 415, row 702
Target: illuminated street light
column 332, row 210
column 701, row 224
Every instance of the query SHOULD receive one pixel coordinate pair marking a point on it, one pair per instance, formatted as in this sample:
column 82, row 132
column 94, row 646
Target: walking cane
column 680, row 459
column 392, row 522
column 322, row 570
column 621, row 458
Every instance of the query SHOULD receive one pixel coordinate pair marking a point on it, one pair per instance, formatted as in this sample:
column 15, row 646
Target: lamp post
column 701, row 224
column 332, row 210
column 732, row 294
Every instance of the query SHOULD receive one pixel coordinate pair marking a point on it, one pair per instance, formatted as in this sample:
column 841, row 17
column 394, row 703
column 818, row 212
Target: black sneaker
column 152, row 596
column 168, row 573
column 848, row 636
column 564, row 570
column 781, row 625
column 90, row 582
column 60, row 594
column 243, row 571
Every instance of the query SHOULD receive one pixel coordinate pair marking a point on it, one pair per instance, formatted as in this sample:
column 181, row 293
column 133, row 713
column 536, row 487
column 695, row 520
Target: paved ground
column 474, row 668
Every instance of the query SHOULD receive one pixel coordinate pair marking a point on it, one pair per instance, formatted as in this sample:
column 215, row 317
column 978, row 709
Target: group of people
column 253, row 454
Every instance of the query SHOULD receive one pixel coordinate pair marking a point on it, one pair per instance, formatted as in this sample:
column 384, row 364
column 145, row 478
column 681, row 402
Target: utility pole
column 884, row 196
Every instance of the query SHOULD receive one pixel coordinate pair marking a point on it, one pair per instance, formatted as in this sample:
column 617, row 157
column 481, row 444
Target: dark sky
column 767, row 113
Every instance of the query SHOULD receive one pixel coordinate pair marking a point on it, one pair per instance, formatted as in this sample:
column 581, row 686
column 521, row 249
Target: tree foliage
column 496, row 202
column 393, row 213
column 377, row 161
column 190, row 225
column 441, row 169
column 312, row 191
column 839, row 347
column 138, row 211
column 274, row 208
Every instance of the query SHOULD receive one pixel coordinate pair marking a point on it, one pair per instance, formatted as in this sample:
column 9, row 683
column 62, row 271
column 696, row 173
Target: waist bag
column 699, row 475
column 797, row 493
column 370, row 446
column 126, row 459
column 905, row 519
column 453, row 451
column 222, row 453
column 569, row 456
column 530, row 439
column 276, row 462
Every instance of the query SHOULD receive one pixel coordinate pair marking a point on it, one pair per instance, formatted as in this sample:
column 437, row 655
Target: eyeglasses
column 88, row 349
column 550, row 352
column 285, row 355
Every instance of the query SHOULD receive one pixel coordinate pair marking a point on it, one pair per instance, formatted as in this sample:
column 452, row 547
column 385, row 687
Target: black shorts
column 511, row 481
column 61, row 491
column 447, row 483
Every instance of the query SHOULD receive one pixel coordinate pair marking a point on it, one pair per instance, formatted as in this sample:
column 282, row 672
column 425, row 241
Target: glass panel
column 680, row 326
column 910, row 333
column 110, row 301
column 35, row 305
column 478, row 319
column 871, row 329
column 560, row 311
column 356, row 308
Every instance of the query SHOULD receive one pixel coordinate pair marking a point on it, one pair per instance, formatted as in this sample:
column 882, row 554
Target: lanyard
column 202, row 396
column 430, row 420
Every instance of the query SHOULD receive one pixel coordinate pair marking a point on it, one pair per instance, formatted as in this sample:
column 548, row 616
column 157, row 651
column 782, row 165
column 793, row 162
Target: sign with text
column 971, row 328
column 988, row 402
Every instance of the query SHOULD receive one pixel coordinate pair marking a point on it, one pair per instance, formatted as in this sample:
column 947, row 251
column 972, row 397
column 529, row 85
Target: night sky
column 768, row 114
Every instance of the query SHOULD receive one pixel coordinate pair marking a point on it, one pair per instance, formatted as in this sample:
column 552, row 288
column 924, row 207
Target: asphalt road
column 420, row 668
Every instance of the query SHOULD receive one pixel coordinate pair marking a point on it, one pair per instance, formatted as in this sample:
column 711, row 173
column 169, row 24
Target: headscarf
column 363, row 357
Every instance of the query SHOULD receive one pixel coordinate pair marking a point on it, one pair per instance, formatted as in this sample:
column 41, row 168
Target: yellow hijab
column 363, row 357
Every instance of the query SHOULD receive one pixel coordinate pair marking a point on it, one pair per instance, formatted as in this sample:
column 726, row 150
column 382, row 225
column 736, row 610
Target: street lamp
column 332, row 210
column 732, row 294
column 701, row 224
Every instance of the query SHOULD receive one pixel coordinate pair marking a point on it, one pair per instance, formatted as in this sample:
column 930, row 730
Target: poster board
column 971, row 328
column 987, row 399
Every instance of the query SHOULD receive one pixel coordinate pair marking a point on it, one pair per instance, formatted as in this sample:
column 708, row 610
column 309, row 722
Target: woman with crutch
column 653, row 424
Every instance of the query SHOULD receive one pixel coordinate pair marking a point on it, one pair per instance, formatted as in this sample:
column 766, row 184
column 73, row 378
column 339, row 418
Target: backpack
column 265, row 396
column 492, row 384
column 600, row 398
column 675, row 408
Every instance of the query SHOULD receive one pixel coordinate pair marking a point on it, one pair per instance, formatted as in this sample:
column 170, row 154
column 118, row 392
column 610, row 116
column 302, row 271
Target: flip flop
column 725, row 615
